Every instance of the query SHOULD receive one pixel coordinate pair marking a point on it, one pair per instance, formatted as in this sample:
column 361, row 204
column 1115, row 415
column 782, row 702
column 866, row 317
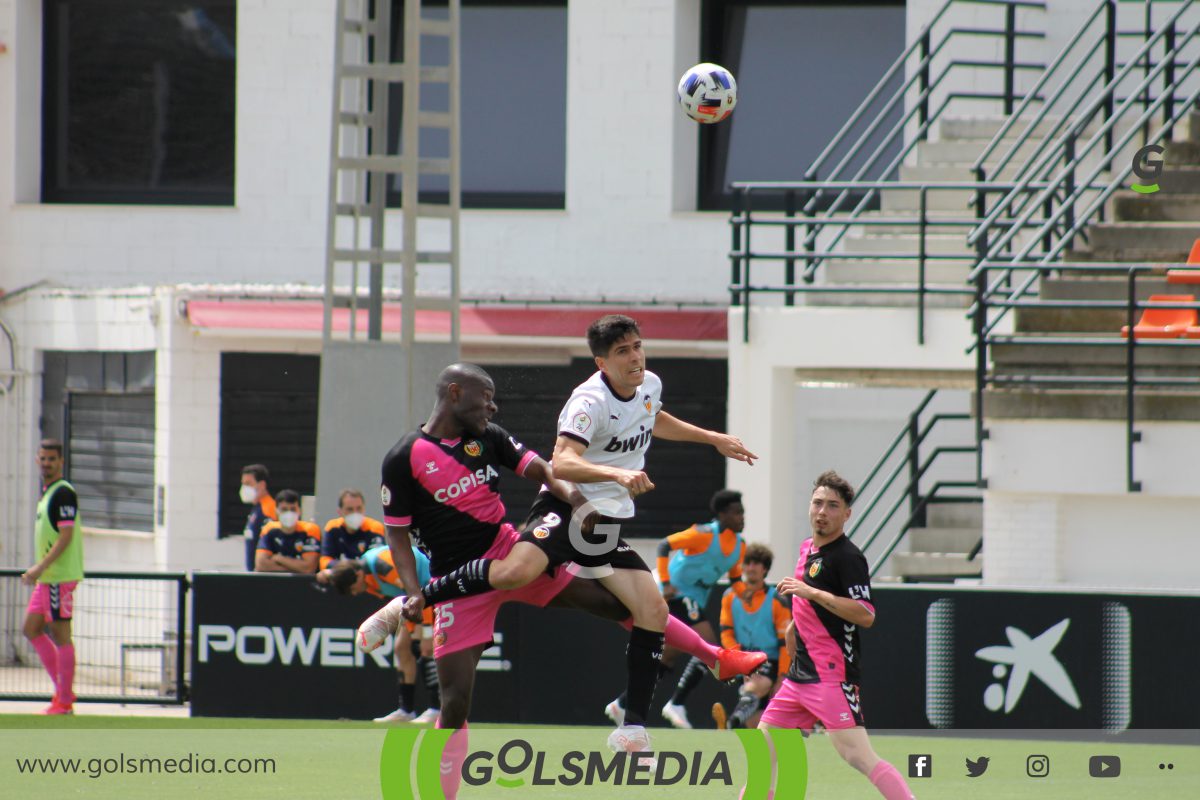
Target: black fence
column 272, row 646
column 939, row 657
column 129, row 631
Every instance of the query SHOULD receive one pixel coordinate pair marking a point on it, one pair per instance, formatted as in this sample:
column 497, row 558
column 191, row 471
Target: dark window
column 513, row 104
column 802, row 69
column 101, row 405
column 138, row 101
column 268, row 416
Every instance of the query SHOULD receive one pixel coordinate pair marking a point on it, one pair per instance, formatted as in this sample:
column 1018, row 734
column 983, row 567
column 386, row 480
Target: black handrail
column 742, row 254
column 1097, row 103
column 1077, row 222
column 912, row 435
column 1129, row 378
column 919, row 107
column 1051, row 70
column 895, row 67
column 915, row 516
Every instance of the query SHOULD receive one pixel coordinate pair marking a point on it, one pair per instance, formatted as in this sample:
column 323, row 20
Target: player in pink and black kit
column 831, row 600
column 441, row 488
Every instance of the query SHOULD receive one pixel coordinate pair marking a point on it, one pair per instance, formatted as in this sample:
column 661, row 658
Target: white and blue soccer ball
column 707, row 93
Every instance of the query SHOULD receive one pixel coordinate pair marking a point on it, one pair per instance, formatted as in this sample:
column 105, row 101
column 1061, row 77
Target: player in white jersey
column 604, row 431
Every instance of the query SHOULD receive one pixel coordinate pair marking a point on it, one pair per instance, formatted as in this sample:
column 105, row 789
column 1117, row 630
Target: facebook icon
column 920, row 766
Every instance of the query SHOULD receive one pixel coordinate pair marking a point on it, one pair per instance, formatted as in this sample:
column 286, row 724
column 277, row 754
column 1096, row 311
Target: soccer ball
column 707, row 93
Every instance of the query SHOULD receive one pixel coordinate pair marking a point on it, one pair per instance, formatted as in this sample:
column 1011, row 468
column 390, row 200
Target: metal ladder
column 361, row 170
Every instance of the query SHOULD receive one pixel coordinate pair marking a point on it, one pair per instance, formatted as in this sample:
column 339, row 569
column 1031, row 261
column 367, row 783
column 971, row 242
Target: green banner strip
column 791, row 756
column 429, row 763
column 758, row 764
column 394, row 761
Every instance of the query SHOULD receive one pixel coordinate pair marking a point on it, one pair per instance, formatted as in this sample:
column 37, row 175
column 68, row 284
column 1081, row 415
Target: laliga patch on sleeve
column 581, row 422
column 385, row 495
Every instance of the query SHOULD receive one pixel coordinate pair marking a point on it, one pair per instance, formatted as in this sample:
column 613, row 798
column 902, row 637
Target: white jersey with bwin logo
column 616, row 431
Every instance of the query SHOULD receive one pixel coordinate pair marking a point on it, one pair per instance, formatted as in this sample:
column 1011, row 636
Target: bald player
column 441, row 487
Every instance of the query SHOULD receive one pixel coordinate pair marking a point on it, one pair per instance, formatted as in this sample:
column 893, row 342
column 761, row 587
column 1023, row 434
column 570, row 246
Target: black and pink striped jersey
column 448, row 490
column 827, row 647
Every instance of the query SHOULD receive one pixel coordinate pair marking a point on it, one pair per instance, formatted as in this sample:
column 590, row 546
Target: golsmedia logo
column 1148, row 171
column 663, row 768
column 429, row 765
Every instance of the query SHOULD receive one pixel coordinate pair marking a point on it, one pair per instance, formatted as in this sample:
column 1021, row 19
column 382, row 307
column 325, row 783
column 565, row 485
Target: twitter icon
column 977, row 767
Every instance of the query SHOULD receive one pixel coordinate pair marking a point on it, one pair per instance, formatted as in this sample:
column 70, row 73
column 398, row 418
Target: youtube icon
column 1104, row 766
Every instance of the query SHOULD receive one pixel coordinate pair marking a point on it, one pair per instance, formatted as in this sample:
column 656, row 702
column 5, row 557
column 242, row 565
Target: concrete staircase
column 939, row 551
column 1144, row 229
column 946, row 158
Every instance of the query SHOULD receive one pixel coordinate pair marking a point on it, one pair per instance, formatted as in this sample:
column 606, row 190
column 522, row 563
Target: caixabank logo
column 483, row 763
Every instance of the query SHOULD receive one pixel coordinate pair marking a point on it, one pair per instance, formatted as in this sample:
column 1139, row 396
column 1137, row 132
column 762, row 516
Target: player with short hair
column 255, row 493
column 441, row 485
column 603, row 433
column 288, row 544
column 754, row 618
column 689, row 564
column 58, row 541
column 352, row 533
column 831, row 599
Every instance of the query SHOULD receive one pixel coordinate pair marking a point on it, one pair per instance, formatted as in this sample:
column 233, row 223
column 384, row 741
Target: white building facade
column 629, row 225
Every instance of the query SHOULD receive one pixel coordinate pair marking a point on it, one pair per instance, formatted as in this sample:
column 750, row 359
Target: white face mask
column 248, row 494
column 288, row 519
column 353, row 521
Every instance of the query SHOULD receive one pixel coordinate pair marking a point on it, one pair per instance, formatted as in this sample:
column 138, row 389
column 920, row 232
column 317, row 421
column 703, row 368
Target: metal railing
column 129, row 631
column 1122, row 375
column 744, row 220
column 1057, row 159
column 910, row 464
column 1044, row 206
column 857, row 160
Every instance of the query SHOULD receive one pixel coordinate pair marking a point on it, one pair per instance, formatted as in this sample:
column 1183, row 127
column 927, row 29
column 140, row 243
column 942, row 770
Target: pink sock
column 453, row 756
column 889, row 783
column 66, row 673
column 48, row 652
column 681, row 637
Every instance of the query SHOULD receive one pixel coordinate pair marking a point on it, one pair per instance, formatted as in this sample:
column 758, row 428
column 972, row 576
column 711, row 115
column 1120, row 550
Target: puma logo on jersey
column 465, row 484
column 632, row 443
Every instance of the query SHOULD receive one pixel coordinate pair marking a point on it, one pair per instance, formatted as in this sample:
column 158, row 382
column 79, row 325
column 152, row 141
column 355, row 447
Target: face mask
column 353, row 521
column 248, row 494
column 288, row 519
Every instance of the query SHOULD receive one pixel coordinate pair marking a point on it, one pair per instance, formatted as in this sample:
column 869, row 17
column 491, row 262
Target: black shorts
column 549, row 527
column 685, row 609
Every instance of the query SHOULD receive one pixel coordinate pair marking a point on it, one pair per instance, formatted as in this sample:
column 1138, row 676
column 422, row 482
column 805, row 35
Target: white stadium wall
column 629, row 231
column 769, row 409
column 187, row 410
column 1057, row 511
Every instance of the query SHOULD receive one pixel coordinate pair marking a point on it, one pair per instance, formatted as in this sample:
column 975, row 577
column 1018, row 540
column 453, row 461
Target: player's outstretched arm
column 570, row 465
column 400, row 543
column 676, row 430
column 541, row 472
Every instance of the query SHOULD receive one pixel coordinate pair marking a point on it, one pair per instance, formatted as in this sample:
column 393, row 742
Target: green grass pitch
column 324, row 759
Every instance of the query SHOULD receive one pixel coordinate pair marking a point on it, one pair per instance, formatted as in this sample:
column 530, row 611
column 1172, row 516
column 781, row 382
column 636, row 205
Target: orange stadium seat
column 1187, row 275
column 1164, row 323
